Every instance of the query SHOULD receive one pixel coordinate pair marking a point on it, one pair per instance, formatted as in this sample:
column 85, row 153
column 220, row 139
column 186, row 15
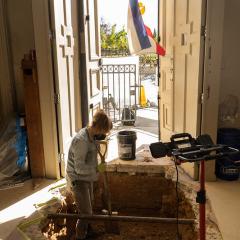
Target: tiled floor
column 225, row 201
column 17, row 203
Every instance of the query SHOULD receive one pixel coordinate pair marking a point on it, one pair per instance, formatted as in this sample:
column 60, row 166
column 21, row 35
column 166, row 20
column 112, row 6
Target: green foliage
column 148, row 59
column 155, row 34
column 111, row 38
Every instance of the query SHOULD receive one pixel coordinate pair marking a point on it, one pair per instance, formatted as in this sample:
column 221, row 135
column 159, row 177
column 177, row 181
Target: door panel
column 181, row 70
column 91, row 83
column 212, row 74
column 167, row 74
column 64, row 74
column 93, row 30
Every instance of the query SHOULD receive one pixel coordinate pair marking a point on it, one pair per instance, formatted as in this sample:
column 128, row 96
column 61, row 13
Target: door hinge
column 52, row 35
column 202, row 98
column 204, row 31
column 100, row 63
column 82, row 43
column 61, row 157
column 205, row 95
column 57, row 98
column 87, row 17
column 210, row 52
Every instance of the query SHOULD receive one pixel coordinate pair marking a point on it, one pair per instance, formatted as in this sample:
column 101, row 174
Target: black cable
column 177, row 197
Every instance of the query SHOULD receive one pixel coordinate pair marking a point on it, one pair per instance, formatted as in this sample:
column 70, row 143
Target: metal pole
column 129, row 82
column 158, row 72
column 119, row 94
column 202, row 204
column 108, row 106
column 122, row 218
column 135, row 88
column 114, row 97
column 124, row 93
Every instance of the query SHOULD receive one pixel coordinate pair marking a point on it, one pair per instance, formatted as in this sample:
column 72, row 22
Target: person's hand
column 101, row 167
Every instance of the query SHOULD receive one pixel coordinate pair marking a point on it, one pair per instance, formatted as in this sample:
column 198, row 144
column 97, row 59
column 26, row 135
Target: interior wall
column 21, row 36
column 230, row 74
column 6, row 91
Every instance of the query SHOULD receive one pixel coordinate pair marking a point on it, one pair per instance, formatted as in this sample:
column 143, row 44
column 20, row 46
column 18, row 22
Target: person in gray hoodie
column 82, row 166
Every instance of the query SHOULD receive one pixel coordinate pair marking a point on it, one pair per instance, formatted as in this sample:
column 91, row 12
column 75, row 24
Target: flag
column 140, row 37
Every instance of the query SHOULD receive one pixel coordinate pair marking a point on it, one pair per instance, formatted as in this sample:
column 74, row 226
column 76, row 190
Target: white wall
column 230, row 73
column 19, row 14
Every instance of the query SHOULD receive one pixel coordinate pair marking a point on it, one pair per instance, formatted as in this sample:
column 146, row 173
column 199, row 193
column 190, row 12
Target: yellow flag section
column 141, row 8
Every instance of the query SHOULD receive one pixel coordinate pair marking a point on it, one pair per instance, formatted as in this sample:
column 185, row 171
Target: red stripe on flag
column 149, row 32
column 159, row 49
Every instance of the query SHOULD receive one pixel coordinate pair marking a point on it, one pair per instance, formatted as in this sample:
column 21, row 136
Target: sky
column 115, row 12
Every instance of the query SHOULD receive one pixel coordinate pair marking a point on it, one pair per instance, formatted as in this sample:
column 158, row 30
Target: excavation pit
column 139, row 194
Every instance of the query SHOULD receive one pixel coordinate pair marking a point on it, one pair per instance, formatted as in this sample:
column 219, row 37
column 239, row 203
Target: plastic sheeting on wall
column 13, row 149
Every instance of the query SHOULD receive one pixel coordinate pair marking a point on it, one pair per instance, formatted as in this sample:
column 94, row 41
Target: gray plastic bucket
column 127, row 145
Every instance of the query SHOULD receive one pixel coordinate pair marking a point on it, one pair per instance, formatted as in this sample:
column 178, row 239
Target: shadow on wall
column 229, row 115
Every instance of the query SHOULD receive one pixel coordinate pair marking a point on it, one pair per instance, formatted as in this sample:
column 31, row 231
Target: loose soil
column 135, row 195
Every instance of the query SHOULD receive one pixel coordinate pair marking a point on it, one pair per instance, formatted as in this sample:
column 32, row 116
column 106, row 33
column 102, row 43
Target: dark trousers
column 83, row 195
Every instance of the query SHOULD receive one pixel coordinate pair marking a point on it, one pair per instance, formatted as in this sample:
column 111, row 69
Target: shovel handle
column 105, row 177
column 102, row 155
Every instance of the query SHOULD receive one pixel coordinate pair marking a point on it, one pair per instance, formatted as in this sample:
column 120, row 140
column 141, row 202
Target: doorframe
column 83, row 66
column 201, row 79
column 209, row 76
column 6, row 82
column 45, row 62
column 89, row 103
column 77, row 64
column 46, row 86
column 212, row 75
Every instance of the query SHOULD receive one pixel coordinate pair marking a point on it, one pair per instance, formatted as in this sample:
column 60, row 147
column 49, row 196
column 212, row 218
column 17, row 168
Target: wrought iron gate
column 119, row 87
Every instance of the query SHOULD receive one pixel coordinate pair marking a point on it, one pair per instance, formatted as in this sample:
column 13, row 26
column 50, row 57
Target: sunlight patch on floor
column 11, row 216
column 148, row 113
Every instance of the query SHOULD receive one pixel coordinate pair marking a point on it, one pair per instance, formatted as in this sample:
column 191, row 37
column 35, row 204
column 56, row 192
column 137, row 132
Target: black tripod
column 184, row 148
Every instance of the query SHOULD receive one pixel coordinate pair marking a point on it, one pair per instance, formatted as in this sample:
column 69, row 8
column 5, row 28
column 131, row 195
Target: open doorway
column 129, row 83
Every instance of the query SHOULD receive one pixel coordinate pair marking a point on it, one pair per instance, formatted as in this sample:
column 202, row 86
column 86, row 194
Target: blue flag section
column 140, row 37
column 139, row 25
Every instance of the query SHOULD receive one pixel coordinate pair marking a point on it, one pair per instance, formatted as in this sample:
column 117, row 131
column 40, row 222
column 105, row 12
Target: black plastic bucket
column 230, row 137
column 127, row 145
column 225, row 167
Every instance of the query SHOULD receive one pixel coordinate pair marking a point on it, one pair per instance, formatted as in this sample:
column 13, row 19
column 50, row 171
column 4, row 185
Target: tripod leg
column 201, row 199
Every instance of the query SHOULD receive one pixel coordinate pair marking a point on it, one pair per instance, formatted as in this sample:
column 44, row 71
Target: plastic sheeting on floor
column 13, row 149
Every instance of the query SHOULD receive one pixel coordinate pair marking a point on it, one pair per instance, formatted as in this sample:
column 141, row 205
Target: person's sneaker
column 82, row 237
column 91, row 233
